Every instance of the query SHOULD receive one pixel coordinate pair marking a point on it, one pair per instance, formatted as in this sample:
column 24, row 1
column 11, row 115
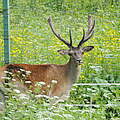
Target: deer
column 25, row 76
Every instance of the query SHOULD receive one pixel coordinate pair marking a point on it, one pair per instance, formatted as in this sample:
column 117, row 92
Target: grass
column 32, row 42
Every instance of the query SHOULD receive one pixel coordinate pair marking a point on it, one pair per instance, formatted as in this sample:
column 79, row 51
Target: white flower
column 14, row 80
column 68, row 116
column 8, row 72
column 43, row 91
column 1, row 104
column 23, row 96
column 48, row 86
column 56, row 97
column 22, row 70
column 60, row 100
column 23, row 75
column 54, row 81
column 30, row 91
column 38, row 96
column 28, row 72
column 17, row 91
column 28, row 82
column 96, row 68
column 42, row 96
column 6, row 78
column 40, row 83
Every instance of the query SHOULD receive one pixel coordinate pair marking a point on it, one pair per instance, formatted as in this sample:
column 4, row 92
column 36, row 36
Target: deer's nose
column 79, row 61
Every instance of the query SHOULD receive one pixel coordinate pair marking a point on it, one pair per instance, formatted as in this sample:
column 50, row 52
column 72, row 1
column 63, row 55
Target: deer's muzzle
column 79, row 62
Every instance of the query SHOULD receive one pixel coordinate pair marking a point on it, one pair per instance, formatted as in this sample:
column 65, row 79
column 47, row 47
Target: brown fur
column 43, row 72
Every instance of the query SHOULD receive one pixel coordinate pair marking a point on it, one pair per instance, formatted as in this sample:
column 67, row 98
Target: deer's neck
column 73, row 70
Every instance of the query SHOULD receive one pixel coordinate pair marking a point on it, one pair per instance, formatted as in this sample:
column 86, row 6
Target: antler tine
column 82, row 40
column 89, row 24
column 90, row 31
column 56, row 34
column 70, row 38
column 85, row 37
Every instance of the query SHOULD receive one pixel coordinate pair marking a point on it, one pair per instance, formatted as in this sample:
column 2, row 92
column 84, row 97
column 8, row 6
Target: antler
column 87, row 35
column 58, row 35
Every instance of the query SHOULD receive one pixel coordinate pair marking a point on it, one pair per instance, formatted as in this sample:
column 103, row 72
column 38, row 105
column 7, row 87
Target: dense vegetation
column 32, row 42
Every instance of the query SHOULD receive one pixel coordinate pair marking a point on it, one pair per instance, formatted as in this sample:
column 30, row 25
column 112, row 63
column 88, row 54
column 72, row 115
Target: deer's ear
column 87, row 48
column 63, row 52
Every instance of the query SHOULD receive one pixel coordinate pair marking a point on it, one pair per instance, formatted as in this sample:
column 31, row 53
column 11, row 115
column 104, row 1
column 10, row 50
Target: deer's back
column 47, row 73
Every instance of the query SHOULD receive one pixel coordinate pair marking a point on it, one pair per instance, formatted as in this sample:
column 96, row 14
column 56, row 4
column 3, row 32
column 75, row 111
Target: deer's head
column 76, row 53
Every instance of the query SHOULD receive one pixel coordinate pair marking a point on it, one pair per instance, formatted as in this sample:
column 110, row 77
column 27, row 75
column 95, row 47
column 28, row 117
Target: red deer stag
column 65, row 74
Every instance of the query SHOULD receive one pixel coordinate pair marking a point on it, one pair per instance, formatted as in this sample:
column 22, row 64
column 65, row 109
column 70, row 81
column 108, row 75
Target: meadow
column 32, row 42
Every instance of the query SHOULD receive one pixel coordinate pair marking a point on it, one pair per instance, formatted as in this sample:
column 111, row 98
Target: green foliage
column 32, row 42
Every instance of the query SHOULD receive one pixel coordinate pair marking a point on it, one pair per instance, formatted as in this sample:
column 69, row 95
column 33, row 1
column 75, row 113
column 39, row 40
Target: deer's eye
column 70, row 53
column 82, row 52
